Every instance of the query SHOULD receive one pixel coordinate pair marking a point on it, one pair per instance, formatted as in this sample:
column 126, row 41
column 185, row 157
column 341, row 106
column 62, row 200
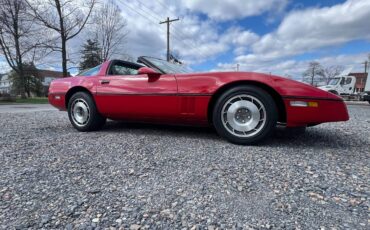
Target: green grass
column 33, row 100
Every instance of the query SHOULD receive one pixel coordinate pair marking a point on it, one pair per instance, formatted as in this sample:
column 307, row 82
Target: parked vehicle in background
column 341, row 84
column 350, row 86
column 366, row 96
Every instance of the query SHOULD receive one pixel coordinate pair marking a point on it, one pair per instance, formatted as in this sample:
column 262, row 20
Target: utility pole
column 365, row 64
column 168, row 21
column 237, row 67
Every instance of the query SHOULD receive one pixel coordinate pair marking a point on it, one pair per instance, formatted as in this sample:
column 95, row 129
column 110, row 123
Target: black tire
column 94, row 120
column 264, row 128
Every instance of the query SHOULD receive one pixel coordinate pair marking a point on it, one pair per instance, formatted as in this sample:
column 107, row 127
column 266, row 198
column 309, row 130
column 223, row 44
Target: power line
column 176, row 33
column 150, row 11
column 168, row 21
column 175, row 36
column 133, row 9
column 164, row 6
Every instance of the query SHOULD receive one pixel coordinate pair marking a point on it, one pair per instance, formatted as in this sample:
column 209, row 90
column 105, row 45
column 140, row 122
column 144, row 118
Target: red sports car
column 243, row 107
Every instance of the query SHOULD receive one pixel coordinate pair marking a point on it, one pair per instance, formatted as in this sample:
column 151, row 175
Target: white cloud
column 198, row 39
column 295, row 68
column 239, row 38
column 310, row 29
column 195, row 39
column 307, row 30
column 233, row 9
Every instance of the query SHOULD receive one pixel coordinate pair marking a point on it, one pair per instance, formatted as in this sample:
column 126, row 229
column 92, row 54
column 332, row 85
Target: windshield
column 167, row 67
column 333, row 81
column 90, row 72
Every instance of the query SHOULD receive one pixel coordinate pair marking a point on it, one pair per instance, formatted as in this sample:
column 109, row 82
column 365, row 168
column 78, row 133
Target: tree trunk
column 63, row 36
column 64, row 58
column 23, row 84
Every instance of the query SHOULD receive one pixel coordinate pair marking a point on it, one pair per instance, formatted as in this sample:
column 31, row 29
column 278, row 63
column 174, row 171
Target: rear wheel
column 83, row 114
column 245, row 115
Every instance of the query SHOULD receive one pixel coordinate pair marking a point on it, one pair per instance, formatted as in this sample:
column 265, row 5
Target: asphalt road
column 25, row 108
column 133, row 176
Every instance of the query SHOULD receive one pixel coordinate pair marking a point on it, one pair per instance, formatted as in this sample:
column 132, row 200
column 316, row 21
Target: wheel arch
column 273, row 93
column 74, row 90
column 333, row 91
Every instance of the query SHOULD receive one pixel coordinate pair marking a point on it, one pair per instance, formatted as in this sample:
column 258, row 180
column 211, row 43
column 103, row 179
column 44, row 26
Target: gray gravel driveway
column 133, row 176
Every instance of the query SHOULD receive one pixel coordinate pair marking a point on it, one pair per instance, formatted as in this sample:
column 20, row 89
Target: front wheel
column 245, row 115
column 83, row 114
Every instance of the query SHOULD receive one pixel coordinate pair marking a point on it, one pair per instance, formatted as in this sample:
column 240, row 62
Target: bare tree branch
column 314, row 69
column 332, row 71
column 109, row 29
column 17, row 38
column 71, row 19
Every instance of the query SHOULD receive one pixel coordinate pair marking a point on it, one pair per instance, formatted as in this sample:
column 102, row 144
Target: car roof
column 134, row 64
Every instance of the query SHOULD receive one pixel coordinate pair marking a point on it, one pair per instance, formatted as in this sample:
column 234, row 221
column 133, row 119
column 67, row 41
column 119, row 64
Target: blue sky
column 274, row 36
column 351, row 50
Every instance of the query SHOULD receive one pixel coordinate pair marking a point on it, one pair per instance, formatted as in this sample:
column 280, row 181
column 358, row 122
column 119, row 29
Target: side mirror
column 152, row 74
column 148, row 71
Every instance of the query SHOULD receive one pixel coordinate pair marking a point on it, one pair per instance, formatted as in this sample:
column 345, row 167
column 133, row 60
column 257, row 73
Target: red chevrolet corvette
column 243, row 107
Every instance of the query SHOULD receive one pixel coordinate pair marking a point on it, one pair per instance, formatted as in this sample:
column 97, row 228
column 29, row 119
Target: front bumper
column 327, row 110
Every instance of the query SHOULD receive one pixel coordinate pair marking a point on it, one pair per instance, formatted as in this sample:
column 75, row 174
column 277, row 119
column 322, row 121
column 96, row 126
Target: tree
column 91, row 55
column 109, row 29
column 32, row 81
column 16, row 37
column 332, row 71
column 314, row 69
column 64, row 17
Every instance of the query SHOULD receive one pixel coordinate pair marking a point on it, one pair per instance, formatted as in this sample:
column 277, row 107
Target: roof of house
column 358, row 75
column 3, row 76
column 50, row 73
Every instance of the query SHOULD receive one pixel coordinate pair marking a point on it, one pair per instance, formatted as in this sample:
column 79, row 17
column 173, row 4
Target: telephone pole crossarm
column 168, row 21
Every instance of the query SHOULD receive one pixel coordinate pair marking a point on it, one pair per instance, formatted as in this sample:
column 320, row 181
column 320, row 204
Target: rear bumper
column 57, row 100
column 328, row 110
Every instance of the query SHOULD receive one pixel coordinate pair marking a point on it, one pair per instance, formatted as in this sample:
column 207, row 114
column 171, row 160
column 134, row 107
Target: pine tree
column 91, row 55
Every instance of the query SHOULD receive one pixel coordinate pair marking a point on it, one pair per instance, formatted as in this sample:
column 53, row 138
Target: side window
column 91, row 72
column 348, row 81
column 121, row 69
column 342, row 81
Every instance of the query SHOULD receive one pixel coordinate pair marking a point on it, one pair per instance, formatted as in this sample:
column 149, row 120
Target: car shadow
column 319, row 137
column 313, row 137
column 160, row 129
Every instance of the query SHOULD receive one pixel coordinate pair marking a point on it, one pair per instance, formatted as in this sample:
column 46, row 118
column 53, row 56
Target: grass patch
column 33, row 100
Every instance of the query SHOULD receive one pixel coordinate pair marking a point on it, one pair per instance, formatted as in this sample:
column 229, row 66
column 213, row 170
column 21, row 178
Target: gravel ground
column 132, row 176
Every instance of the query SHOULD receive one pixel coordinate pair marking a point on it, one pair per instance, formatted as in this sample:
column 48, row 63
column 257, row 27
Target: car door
column 348, row 85
column 125, row 94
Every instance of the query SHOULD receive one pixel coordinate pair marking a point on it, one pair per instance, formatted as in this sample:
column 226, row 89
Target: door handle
column 103, row 82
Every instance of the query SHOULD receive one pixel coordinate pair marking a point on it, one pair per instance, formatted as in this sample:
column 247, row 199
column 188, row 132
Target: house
column 360, row 81
column 45, row 76
column 5, row 84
